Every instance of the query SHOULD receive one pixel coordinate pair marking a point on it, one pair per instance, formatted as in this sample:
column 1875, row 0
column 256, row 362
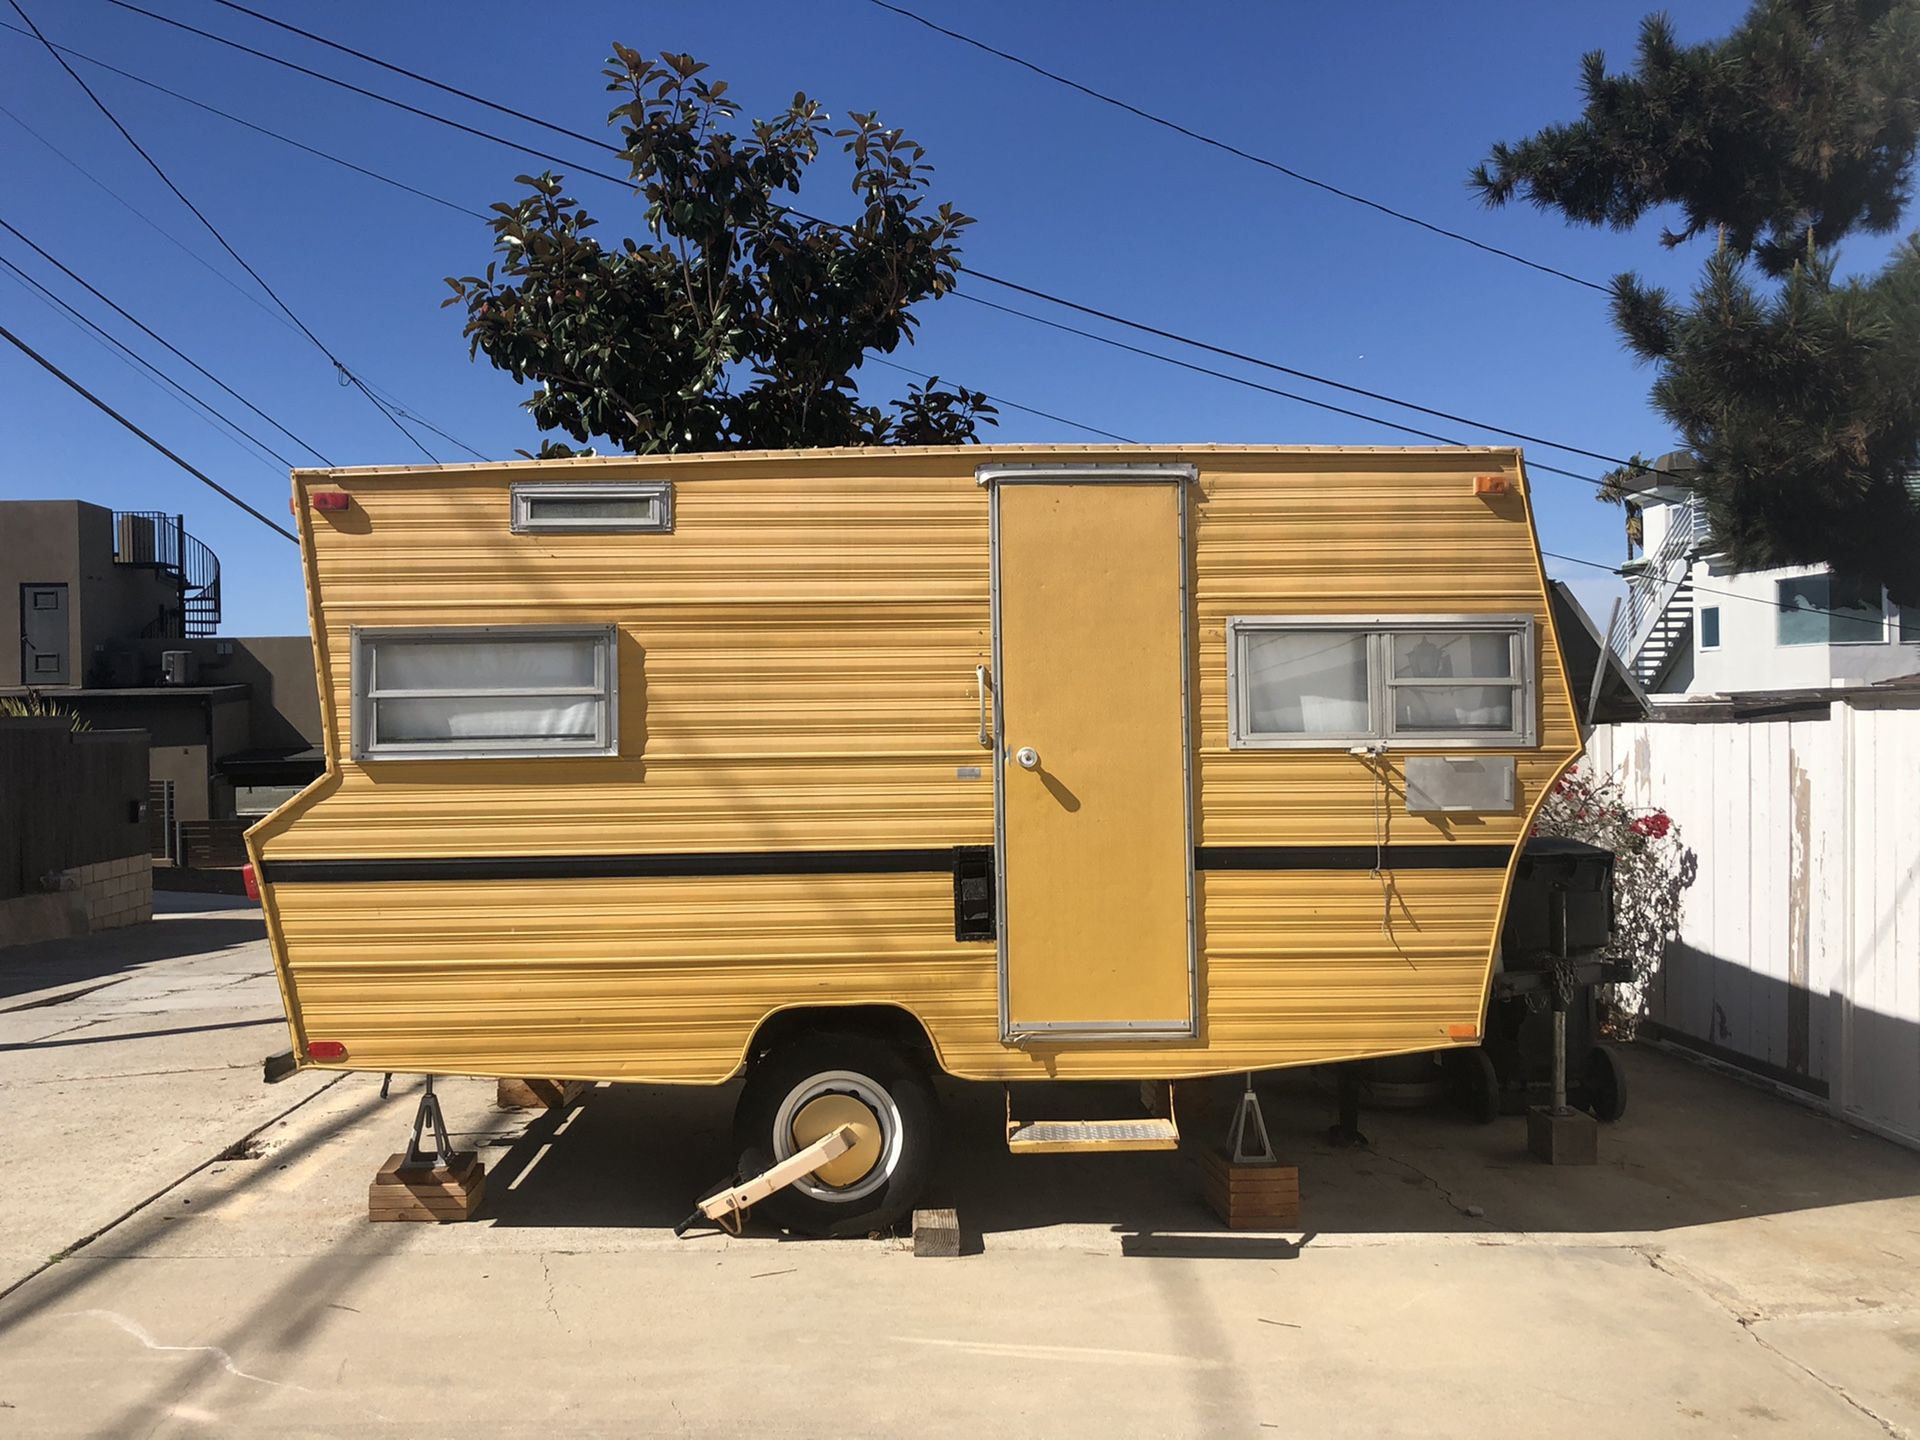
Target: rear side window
column 484, row 692
column 631, row 506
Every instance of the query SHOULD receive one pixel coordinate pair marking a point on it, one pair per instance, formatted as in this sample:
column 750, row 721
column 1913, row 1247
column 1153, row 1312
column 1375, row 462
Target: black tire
column 1473, row 1084
column 895, row 1091
column 1603, row 1091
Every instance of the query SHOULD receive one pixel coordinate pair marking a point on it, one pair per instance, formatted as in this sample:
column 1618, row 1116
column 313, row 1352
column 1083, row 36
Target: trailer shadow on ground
column 1695, row 1148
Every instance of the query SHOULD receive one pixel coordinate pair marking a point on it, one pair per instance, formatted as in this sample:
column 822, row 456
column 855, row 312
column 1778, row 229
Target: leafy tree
column 738, row 323
column 1799, row 394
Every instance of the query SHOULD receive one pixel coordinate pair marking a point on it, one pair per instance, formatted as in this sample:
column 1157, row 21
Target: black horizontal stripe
column 940, row 861
column 1351, row 857
column 587, row 867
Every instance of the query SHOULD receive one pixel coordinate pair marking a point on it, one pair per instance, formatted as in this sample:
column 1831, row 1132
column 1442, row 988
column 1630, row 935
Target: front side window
column 1830, row 610
column 482, row 692
column 1413, row 680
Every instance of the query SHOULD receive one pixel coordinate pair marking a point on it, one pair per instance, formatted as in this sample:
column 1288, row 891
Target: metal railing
column 1652, row 588
column 153, row 538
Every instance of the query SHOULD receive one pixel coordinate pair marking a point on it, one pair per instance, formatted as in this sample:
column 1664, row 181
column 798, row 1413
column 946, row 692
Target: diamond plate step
column 1043, row 1137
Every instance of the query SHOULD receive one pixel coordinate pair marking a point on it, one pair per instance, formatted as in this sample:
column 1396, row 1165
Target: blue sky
column 1396, row 101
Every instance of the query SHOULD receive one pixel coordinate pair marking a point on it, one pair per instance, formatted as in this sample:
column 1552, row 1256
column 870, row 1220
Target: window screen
column 638, row 506
column 1830, row 610
column 484, row 692
column 1709, row 627
column 1304, row 683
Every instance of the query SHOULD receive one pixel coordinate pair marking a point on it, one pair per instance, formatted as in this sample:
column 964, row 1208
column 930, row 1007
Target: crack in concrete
column 546, row 1274
column 1463, row 1208
column 1747, row 1317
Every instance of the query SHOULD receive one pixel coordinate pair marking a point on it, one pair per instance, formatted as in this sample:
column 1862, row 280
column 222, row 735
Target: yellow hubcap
column 828, row 1113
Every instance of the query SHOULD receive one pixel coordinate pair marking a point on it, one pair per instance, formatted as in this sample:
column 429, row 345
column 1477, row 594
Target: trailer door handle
column 1027, row 758
column 980, row 682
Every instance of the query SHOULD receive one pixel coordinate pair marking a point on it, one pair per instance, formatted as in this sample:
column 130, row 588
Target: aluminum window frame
column 523, row 493
column 367, row 746
column 1379, row 632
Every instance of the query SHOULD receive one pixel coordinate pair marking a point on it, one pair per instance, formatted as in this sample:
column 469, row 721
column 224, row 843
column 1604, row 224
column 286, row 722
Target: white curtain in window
column 1447, row 708
column 445, row 718
column 1305, row 682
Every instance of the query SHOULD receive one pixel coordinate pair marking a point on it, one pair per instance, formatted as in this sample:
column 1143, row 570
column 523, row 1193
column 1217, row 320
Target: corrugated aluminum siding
column 797, row 673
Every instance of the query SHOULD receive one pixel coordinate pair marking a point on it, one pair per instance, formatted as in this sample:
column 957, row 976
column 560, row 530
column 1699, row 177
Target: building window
column 1909, row 624
column 1830, row 610
column 633, row 506
column 482, row 692
column 1425, row 682
column 1709, row 627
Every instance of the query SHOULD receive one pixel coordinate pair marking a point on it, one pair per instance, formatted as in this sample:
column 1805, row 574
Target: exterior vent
column 177, row 667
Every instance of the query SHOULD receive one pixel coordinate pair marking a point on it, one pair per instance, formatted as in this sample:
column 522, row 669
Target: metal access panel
column 1095, row 855
column 1449, row 784
column 43, row 635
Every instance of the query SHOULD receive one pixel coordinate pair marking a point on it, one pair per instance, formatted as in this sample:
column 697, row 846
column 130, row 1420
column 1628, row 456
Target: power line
column 76, row 386
column 1106, row 316
column 53, row 299
column 258, row 129
column 212, row 229
column 1007, row 404
column 1710, row 590
column 161, row 339
column 1218, row 144
column 154, row 225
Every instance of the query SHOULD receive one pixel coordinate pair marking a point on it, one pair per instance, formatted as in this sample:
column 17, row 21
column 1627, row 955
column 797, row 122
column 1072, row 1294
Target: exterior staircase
column 158, row 541
column 1656, row 622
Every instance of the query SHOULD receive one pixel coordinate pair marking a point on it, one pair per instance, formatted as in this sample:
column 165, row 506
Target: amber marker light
column 1490, row 485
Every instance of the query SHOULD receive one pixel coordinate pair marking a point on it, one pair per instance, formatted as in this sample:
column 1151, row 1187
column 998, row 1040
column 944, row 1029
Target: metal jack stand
column 442, row 1154
column 435, row 1185
column 1243, row 1181
column 1249, row 1125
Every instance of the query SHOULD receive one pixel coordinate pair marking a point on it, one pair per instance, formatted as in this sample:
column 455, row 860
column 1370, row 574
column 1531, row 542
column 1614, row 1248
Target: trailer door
column 1094, row 835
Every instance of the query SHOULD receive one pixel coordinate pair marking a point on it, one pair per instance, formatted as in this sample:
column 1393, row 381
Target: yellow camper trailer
column 838, row 767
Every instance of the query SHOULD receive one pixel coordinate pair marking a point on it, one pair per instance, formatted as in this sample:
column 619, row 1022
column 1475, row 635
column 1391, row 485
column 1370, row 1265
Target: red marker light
column 332, row 500
column 250, row 882
column 1490, row 485
column 326, row 1050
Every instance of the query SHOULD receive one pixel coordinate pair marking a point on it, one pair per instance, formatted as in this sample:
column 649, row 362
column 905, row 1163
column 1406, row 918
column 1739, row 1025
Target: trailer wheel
column 1473, row 1084
column 1603, row 1093
column 800, row 1091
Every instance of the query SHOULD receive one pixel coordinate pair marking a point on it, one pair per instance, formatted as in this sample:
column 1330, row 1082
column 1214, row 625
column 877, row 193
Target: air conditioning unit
column 177, row 667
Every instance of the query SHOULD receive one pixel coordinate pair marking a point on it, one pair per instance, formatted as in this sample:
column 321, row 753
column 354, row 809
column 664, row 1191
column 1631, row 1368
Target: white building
column 1693, row 625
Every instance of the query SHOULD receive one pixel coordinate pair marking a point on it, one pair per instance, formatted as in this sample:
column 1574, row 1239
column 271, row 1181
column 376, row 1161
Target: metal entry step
column 1057, row 1137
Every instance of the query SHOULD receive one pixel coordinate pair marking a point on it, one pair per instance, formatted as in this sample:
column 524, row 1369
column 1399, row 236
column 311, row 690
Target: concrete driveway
column 1736, row 1265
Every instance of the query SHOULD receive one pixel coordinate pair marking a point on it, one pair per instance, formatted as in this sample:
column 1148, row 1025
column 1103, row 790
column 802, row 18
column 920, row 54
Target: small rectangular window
column 561, row 509
column 1709, row 627
column 1427, row 682
column 485, row 691
column 1910, row 624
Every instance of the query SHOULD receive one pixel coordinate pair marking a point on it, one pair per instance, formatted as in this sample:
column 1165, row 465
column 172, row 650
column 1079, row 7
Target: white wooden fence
column 1799, row 953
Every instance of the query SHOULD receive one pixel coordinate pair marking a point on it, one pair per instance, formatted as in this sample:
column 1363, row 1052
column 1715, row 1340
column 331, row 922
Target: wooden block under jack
column 936, row 1232
column 426, row 1192
column 537, row 1094
column 1250, row 1197
column 1569, row 1139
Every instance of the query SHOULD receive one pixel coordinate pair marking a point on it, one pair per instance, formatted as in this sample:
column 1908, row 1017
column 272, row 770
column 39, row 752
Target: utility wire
column 213, row 229
column 1710, row 590
column 1007, row 404
column 200, row 475
column 250, row 296
column 161, row 339
column 109, row 338
column 244, row 123
column 625, row 182
column 1205, row 139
